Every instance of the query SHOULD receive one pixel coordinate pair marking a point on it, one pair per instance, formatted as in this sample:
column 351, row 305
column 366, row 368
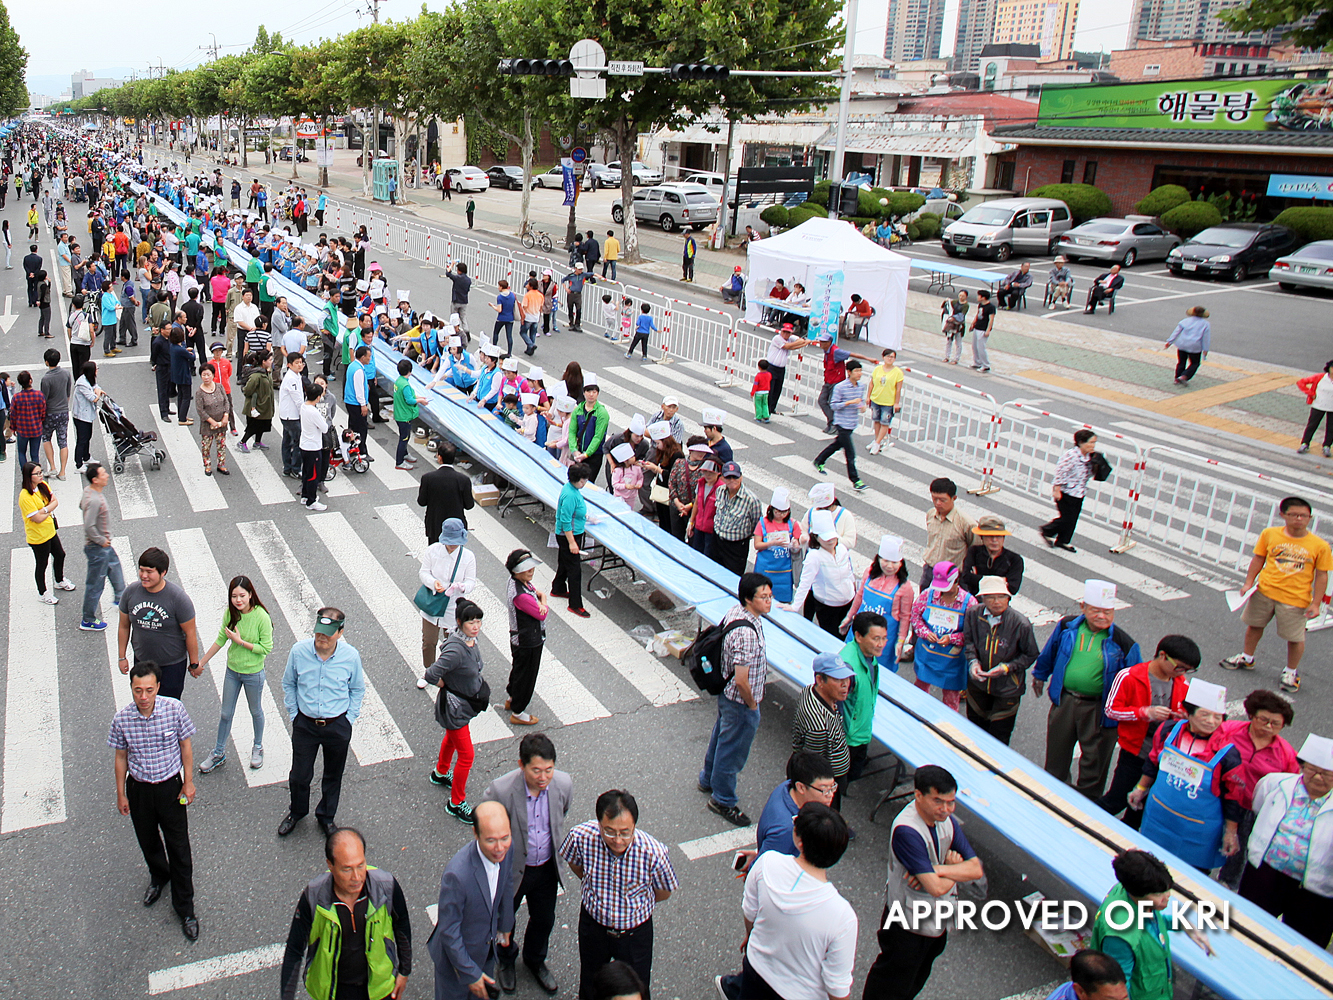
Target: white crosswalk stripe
column 183, row 450
column 197, row 571
column 133, row 494
column 562, row 692
column 383, row 468
column 34, row 769
column 395, row 612
column 9, row 483
column 263, row 476
column 621, row 418
column 120, row 684
column 653, row 395
column 375, row 737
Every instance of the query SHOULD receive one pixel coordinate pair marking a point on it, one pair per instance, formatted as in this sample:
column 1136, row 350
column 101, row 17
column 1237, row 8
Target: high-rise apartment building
column 976, row 24
column 1047, row 23
column 1164, row 20
column 914, row 30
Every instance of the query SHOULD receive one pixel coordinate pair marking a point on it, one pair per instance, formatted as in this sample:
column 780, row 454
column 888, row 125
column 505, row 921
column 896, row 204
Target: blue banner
column 567, row 178
column 825, row 302
column 1300, row 186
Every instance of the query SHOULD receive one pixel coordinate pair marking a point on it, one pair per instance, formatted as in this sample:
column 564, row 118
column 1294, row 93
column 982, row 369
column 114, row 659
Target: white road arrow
column 9, row 318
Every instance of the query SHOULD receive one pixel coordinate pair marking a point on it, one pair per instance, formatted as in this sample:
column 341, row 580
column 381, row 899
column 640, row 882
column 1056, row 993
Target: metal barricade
column 951, row 421
column 1211, row 510
column 696, row 333
column 1029, row 451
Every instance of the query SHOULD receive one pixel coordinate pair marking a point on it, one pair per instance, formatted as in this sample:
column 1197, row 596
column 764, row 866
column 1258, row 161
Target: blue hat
column 832, row 665
column 452, row 532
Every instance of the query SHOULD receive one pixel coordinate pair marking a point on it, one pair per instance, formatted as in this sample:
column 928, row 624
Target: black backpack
column 703, row 657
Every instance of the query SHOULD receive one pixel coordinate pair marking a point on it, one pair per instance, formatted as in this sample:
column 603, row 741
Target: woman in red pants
column 464, row 694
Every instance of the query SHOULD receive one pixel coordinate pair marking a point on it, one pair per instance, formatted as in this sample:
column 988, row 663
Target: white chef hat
column 714, row 417
column 1317, row 750
column 404, row 295
column 659, row 431
column 528, row 398
column 637, row 425
column 509, row 364
column 1206, row 694
column 821, row 494
column 781, row 499
column 565, row 404
column 590, row 380
column 890, row 548
column 1099, row 594
column 395, row 314
column 623, row 452
column 821, row 524
column 455, row 341
column 490, row 350
column 536, row 373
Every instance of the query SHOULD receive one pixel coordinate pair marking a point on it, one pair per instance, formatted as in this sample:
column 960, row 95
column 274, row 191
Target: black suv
column 506, row 177
column 1233, row 250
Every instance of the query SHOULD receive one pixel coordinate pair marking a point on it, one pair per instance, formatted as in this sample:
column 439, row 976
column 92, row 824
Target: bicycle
column 535, row 237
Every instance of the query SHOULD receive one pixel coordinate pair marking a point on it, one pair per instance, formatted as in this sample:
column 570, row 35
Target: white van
column 1008, row 226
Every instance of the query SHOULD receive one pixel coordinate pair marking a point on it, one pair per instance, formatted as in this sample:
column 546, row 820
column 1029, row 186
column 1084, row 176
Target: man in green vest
column 1132, row 928
column 865, row 641
column 342, row 926
column 254, row 273
column 405, row 411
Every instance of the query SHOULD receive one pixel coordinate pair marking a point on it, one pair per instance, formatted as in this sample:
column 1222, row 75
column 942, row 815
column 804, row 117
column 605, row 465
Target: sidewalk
column 1232, row 395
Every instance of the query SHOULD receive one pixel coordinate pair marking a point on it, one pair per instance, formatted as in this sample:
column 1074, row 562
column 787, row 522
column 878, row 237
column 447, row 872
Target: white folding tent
column 819, row 246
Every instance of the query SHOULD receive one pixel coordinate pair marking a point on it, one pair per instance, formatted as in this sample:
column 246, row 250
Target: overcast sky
column 113, row 40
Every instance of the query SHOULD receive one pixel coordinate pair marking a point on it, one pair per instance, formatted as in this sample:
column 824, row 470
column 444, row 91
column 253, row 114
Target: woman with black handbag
column 1072, row 473
column 464, row 694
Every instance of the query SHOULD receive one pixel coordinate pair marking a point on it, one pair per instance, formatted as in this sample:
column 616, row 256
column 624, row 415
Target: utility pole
column 844, row 101
column 370, row 151
column 212, row 50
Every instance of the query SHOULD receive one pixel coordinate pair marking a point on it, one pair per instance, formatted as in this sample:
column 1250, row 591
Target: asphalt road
column 74, row 885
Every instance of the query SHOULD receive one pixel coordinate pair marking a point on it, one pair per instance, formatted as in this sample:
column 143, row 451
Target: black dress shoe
column 151, row 896
column 328, row 828
column 507, row 976
column 190, row 926
column 544, row 978
column 287, row 825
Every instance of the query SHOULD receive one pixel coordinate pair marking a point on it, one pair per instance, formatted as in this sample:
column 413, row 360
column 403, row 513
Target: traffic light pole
column 844, row 102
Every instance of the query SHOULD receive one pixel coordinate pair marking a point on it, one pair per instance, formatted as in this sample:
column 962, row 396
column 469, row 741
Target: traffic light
column 848, row 198
column 535, row 67
column 698, row 71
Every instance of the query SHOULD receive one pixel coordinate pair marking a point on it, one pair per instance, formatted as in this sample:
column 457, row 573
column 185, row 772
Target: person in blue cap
column 818, row 725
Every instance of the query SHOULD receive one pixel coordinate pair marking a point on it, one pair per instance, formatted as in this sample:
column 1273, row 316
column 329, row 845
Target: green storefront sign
column 1231, row 105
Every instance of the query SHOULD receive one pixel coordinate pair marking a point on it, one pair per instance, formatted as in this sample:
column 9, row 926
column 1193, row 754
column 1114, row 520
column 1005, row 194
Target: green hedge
column 798, row 215
column 928, row 224
column 775, row 215
column 913, row 231
column 1161, row 200
column 1191, row 217
column 820, row 194
column 1084, row 201
column 813, row 209
column 1309, row 223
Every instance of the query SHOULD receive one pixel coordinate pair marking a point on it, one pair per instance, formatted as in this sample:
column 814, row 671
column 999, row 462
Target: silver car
column 672, row 206
column 1309, row 267
column 1121, row 241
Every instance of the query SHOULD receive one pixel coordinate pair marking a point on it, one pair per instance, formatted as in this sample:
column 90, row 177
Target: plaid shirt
column 736, row 516
column 618, row 892
column 27, row 412
column 153, row 743
column 744, row 648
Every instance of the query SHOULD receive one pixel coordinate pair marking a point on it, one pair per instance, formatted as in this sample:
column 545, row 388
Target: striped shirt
column 153, row 742
column 744, row 648
column 1073, row 471
column 618, row 892
column 736, row 516
column 820, row 730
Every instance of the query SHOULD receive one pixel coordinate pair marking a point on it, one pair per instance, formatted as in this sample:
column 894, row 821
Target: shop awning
column 934, row 144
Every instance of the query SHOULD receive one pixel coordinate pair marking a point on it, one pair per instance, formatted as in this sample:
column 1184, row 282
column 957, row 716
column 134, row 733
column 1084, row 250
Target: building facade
column 1048, row 24
column 976, row 25
column 914, row 29
column 1185, row 59
column 83, row 84
column 1192, row 20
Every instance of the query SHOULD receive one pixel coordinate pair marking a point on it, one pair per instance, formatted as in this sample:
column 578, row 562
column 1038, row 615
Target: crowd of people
column 1254, row 814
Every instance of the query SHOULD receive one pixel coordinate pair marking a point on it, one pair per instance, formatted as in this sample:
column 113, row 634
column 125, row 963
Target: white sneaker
column 48, row 598
column 64, row 585
column 316, row 506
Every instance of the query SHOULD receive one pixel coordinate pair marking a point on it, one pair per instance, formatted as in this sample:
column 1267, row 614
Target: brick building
column 1247, row 137
column 1185, row 60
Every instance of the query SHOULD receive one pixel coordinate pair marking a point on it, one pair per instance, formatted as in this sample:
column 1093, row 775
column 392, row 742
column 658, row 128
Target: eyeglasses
column 1269, row 723
column 828, row 790
column 1177, row 665
column 625, row 837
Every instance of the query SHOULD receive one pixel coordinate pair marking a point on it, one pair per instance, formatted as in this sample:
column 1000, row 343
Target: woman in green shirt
column 249, row 629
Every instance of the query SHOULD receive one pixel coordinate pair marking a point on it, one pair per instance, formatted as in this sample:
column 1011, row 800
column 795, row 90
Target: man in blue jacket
column 1081, row 658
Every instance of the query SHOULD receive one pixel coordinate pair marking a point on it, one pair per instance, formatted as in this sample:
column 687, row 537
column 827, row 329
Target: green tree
column 1264, row 15
column 13, row 66
column 272, row 89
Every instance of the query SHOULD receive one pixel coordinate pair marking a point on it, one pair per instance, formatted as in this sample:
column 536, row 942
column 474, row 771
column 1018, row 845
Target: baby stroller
column 126, row 438
column 348, row 454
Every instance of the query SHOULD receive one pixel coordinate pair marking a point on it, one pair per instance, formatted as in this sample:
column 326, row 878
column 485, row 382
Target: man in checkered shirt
column 625, row 873
column 154, row 784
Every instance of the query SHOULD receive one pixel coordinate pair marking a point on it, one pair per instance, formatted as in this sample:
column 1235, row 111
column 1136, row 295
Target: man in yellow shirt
column 610, row 253
column 1290, row 566
column 884, row 396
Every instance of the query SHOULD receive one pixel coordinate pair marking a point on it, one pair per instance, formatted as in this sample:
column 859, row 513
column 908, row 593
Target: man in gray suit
column 476, row 910
column 537, row 798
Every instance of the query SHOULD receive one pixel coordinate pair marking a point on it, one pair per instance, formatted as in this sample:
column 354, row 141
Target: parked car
column 506, row 177
column 1006, row 226
column 595, row 176
column 553, row 178
column 672, row 206
column 468, row 179
column 643, row 174
column 1309, row 267
column 1232, row 250
column 1122, row 241
column 285, row 153
column 948, row 211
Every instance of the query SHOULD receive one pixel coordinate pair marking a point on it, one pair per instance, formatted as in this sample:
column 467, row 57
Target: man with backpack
column 737, row 644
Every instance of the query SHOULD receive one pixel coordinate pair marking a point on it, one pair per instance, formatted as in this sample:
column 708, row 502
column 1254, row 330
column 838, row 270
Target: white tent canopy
column 819, row 246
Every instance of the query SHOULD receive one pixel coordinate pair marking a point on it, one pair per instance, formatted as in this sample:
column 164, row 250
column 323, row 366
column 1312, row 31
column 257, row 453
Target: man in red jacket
column 1141, row 698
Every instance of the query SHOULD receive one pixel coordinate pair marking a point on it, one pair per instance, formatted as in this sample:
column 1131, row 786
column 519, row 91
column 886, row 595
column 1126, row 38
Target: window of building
column 1034, row 90
column 1152, row 69
column 1004, row 175
column 1067, row 172
column 1090, row 172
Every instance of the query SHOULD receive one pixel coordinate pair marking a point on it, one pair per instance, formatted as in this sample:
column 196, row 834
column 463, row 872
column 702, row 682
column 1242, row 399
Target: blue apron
column 1181, row 815
column 874, row 599
column 775, row 563
column 942, row 665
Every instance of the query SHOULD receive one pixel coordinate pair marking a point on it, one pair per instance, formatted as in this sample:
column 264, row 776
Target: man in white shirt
column 291, row 396
column 244, row 316
column 800, row 934
column 784, row 341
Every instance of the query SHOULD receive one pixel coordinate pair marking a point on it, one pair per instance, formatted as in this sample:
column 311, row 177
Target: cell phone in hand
column 738, row 862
